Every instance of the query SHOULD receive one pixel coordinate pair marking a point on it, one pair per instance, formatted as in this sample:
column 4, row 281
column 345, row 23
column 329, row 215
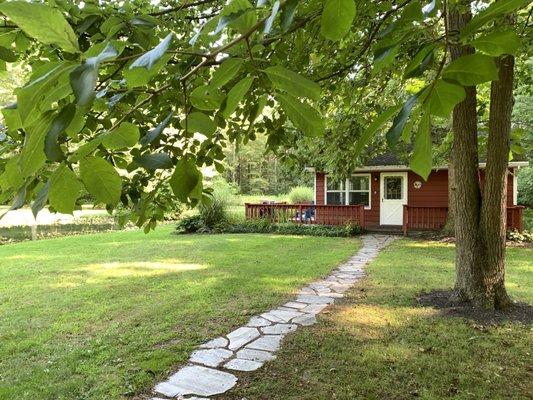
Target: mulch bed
column 442, row 301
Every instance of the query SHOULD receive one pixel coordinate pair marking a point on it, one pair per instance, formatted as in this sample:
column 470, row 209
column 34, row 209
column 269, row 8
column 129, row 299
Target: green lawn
column 103, row 316
column 377, row 344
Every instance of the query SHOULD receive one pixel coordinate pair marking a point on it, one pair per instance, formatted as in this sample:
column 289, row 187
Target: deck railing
column 434, row 218
column 417, row 218
column 422, row 218
column 515, row 218
column 308, row 213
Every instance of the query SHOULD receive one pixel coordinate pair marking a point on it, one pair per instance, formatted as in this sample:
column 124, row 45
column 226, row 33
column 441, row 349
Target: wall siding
column 434, row 191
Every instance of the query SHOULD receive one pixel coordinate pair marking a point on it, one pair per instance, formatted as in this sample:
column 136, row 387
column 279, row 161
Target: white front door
column 393, row 188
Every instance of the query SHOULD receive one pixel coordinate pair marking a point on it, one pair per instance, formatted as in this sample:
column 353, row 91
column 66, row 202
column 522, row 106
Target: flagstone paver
column 247, row 348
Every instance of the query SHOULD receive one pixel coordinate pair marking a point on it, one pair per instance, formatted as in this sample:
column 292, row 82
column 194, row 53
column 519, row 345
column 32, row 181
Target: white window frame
column 346, row 190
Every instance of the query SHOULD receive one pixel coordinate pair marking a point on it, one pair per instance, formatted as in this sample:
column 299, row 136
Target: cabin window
column 335, row 192
column 359, row 190
column 354, row 190
column 393, row 187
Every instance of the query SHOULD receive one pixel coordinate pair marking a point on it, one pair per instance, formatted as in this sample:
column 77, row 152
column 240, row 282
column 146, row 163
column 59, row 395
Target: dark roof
column 384, row 159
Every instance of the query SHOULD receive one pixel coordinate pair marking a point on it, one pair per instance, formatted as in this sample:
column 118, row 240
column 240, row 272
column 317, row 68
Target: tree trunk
column 493, row 210
column 449, row 227
column 480, row 223
column 465, row 166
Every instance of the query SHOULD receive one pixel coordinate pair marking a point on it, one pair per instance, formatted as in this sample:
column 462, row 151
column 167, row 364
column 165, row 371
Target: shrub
column 520, row 237
column 263, row 225
column 525, row 187
column 191, row 224
column 213, row 214
column 301, row 194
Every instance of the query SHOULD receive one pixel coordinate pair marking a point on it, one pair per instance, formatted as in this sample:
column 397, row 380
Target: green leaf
column 287, row 13
column 7, row 55
column 293, row 83
column 399, row 122
column 337, row 18
column 32, row 157
column 374, row 126
column 236, row 94
column 42, row 22
column 65, row 188
column 83, row 79
column 85, row 149
column 302, row 115
column 412, row 12
column 226, row 72
column 430, row 8
column 140, row 76
column 231, row 12
column 40, row 199
column 207, row 98
column 471, row 70
column 61, row 122
column 12, row 117
column 48, row 85
column 185, row 180
column 11, row 178
column 498, row 43
column 199, row 122
column 154, row 133
column 154, row 161
column 421, row 162
column 270, row 20
column 150, row 58
column 493, row 11
column 124, row 136
column 420, row 62
column 101, row 180
column 385, row 56
column 444, row 97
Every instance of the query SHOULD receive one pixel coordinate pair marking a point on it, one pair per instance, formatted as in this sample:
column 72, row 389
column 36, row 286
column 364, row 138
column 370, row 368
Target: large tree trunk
column 465, row 165
column 480, row 225
column 449, row 227
column 493, row 209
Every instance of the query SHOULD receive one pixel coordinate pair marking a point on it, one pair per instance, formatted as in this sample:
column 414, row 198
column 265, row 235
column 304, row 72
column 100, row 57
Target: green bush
column 520, row 237
column 525, row 187
column 301, row 194
column 191, row 224
column 264, row 226
column 213, row 214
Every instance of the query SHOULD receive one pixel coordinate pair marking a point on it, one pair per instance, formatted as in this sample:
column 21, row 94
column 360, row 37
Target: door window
column 393, row 187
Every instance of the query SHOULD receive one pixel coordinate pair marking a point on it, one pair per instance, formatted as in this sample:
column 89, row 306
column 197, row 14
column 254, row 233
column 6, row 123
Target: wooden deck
column 414, row 218
column 307, row 213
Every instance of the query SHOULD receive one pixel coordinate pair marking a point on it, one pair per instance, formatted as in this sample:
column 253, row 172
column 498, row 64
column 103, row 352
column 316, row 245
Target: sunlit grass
column 103, row 316
column 379, row 344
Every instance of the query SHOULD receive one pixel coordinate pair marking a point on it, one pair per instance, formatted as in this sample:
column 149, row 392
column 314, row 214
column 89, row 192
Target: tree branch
column 366, row 45
column 182, row 7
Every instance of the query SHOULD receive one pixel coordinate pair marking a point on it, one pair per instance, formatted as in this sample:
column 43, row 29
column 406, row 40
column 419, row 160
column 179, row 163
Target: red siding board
column 433, row 192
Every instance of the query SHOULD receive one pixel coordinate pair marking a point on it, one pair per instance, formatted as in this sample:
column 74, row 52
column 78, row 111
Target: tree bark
column 465, row 165
column 449, row 227
column 494, row 206
column 480, row 221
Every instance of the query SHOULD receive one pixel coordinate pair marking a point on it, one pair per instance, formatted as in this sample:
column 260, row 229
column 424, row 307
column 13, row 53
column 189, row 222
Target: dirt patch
column 442, row 301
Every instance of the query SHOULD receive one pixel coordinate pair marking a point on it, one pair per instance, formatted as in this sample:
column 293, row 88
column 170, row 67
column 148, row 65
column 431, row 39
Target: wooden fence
column 434, row 218
column 308, row 213
column 414, row 218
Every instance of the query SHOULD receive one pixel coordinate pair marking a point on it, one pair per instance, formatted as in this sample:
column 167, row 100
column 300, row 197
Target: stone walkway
column 249, row 347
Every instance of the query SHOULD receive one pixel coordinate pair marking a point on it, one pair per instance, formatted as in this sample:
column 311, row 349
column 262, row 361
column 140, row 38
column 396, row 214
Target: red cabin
column 384, row 197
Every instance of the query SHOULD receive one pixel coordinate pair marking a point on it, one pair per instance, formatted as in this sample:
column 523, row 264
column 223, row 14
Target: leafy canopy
column 127, row 97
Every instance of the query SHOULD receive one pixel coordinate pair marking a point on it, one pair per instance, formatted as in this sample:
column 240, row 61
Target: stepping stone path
column 210, row 367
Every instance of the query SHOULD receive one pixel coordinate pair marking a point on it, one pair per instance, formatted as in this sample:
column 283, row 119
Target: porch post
column 405, row 219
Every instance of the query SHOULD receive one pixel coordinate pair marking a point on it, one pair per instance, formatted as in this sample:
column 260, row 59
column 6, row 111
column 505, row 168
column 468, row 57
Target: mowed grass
column 103, row 316
column 378, row 344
